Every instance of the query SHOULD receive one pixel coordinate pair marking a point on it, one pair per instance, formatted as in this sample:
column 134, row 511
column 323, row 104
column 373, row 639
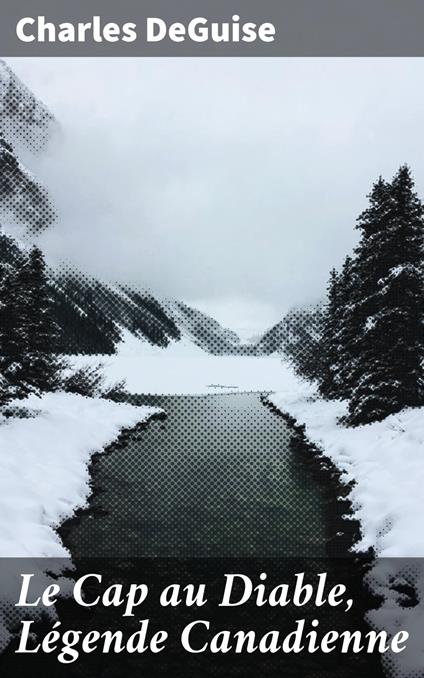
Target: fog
column 233, row 184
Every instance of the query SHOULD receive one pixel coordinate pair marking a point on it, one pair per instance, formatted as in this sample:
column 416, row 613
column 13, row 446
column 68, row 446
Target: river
column 217, row 477
column 218, row 485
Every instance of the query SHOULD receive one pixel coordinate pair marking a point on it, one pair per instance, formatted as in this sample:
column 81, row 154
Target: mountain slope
column 203, row 330
column 91, row 314
column 26, row 126
column 23, row 201
column 24, row 120
column 297, row 337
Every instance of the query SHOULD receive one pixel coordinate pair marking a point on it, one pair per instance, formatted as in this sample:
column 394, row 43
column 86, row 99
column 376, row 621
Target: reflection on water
column 218, row 477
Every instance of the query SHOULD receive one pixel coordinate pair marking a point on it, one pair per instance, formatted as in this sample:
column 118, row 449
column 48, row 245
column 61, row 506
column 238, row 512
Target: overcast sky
column 233, row 184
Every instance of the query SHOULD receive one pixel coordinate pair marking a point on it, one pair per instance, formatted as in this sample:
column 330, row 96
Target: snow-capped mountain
column 23, row 201
column 297, row 337
column 202, row 330
column 92, row 315
column 25, row 120
column 26, row 126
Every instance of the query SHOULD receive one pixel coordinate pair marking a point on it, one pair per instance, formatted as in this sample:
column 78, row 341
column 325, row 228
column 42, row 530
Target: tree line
column 372, row 345
column 28, row 333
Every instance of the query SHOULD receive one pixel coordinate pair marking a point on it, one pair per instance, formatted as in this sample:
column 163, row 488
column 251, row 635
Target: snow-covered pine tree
column 387, row 352
column 40, row 363
column 338, row 334
column 13, row 337
column 329, row 364
column 346, row 329
column 4, row 384
column 28, row 332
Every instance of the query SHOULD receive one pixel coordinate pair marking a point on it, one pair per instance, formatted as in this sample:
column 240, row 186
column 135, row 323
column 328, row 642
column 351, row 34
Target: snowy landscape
column 346, row 367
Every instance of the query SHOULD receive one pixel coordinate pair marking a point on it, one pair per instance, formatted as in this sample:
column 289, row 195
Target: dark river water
column 217, row 477
column 217, row 486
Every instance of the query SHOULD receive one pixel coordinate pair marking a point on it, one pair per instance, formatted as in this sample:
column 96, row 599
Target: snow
column 385, row 459
column 42, row 481
column 184, row 368
column 44, row 478
column 4, row 82
column 44, row 466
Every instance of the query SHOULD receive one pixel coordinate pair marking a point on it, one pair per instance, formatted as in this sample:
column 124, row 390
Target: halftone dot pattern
column 217, row 477
column 399, row 582
column 24, row 118
column 25, row 123
column 23, row 199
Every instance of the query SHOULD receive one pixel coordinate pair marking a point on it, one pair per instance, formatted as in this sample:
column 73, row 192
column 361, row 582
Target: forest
column 372, row 344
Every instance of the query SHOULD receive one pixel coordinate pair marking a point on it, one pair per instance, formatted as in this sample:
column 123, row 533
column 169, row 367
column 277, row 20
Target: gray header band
column 372, row 28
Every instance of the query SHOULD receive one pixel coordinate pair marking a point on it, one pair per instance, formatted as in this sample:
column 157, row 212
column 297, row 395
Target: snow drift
column 44, row 466
column 385, row 462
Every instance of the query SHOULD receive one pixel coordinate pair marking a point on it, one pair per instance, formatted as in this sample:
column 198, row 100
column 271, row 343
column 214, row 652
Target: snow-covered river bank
column 44, row 478
column 218, row 477
column 211, row 454
column 381, row 464
column 44, row 459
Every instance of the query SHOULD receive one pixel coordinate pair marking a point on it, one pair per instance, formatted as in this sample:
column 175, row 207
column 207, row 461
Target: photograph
column 211, row 361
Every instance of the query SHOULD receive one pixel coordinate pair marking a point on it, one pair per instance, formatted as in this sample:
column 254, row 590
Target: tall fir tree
column 360, row 299
column 386, row 350
column 28, row 335
column 335, row 372
column 13, row 345
column 345, row 329
column 328, row 382
column 41, row 363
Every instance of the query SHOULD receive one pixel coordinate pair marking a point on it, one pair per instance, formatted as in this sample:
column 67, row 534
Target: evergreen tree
column 361, row 276
column 12, row 335
column 28, row 334
column 386, row 349
column 328, row 385
column 40, row 363
column 335, row 373
column 346, row 329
